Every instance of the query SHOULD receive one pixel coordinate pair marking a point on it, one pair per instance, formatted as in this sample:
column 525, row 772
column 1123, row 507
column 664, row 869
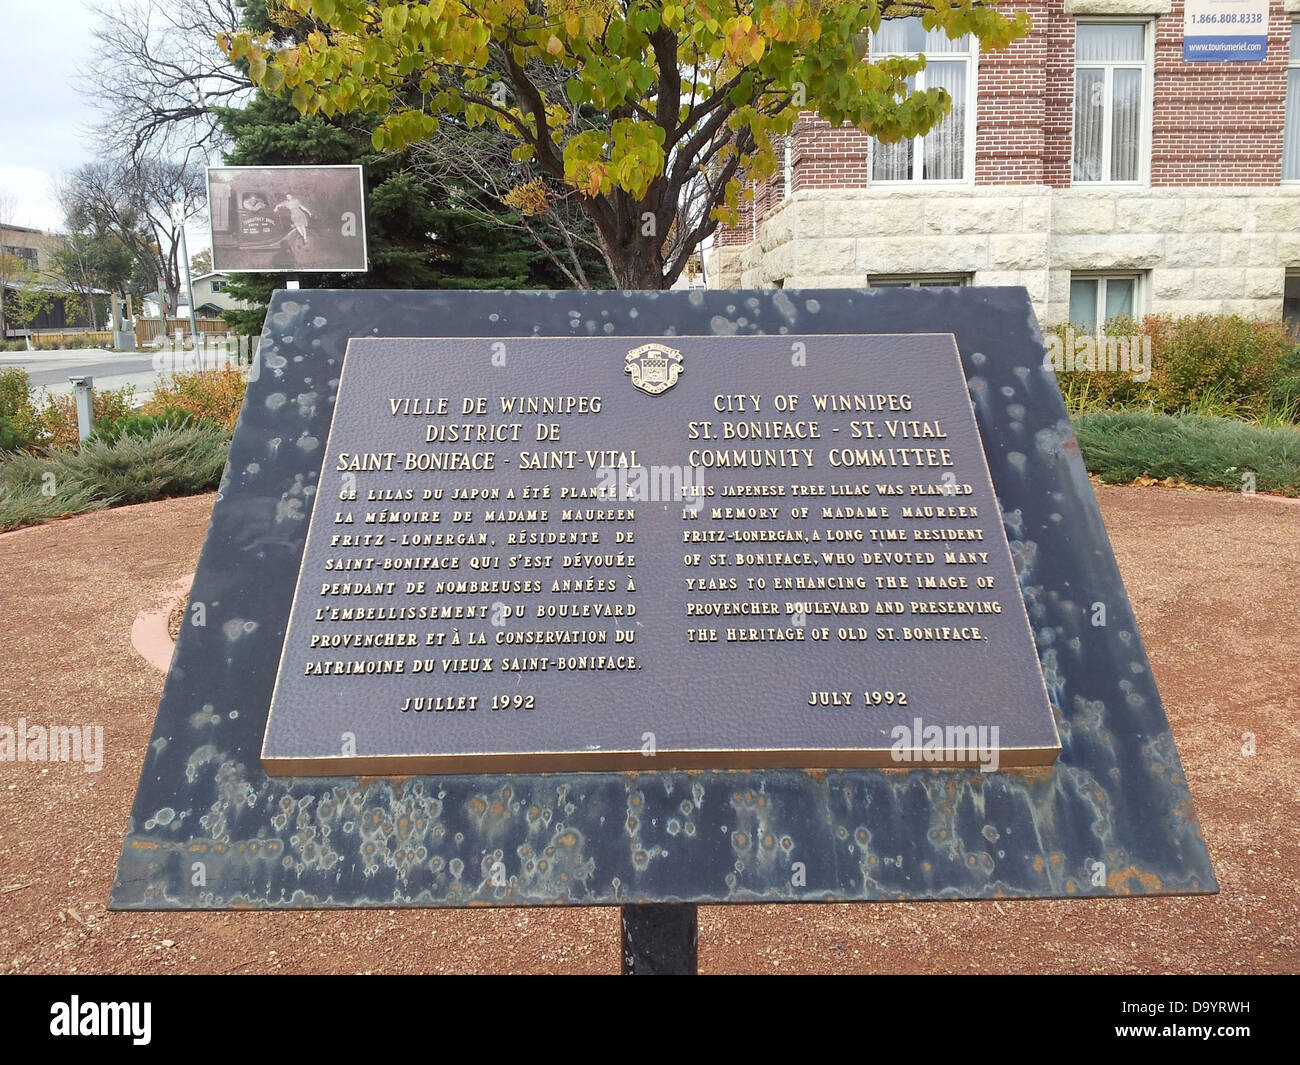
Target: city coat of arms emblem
column 654, row 367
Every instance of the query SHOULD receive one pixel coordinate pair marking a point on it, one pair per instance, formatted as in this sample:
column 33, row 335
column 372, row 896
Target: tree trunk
column 638, row 265
column 636, row 258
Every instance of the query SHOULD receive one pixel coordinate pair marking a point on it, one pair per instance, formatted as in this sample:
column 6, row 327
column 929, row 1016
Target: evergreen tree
column 416, row 235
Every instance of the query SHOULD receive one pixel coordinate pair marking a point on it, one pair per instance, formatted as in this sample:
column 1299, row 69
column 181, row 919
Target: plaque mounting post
column 660, row 939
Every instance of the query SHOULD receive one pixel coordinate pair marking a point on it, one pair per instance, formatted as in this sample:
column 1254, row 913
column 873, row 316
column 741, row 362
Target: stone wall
column 1199, row 250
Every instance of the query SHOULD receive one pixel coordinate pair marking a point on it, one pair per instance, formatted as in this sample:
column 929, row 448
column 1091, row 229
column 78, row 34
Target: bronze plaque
column 532, row 554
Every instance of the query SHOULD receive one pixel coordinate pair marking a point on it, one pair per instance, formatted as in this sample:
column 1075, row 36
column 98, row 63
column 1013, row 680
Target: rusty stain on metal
column 231, row 838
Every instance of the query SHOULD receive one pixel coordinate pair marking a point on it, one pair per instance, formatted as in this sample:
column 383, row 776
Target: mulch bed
column 1211, row 576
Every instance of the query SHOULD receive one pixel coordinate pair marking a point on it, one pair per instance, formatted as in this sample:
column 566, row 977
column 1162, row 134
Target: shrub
column 57, row 419
column 10, row 438
column 170, row 462
column 28, row 497
column 67, row 343
column 214, row 395
column 17, row 409
column 1241, row 361
column 1121, row 446
column 1088, row 389
column 1220, row 364
column 14, row 390
column 1284, row 399
column 141, row 426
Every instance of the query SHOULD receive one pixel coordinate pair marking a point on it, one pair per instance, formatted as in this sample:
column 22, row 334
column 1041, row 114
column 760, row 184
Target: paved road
column 110, row 369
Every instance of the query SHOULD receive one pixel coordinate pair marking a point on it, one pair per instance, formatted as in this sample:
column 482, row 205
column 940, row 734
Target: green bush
column 17, row 408
column 1204, row 364
column 140, row 426
column 1284, row 399
column 1121, row 446
column 15, row 391
column 169, row 462
column 25, row 499
column 10, row 438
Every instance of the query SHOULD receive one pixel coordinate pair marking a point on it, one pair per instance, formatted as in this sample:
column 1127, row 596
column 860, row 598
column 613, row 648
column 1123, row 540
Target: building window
column 218, row 286
column 918, row 280
column 1111, row 73
column 1097, row 298
column 1291, row 299
column 26, row 256
column 943, row 153
column 1291, row 129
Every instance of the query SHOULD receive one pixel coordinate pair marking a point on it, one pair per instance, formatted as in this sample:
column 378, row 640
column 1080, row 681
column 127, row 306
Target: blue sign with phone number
column 1225, row 31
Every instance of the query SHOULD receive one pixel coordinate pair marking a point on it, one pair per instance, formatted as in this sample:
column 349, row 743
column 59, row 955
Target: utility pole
column 178, row 220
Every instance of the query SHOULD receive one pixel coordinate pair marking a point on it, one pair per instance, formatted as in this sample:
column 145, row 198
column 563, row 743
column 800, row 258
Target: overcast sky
column 42, row 115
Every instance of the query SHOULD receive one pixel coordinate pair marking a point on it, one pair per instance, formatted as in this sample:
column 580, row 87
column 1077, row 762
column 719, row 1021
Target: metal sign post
column 178, row 219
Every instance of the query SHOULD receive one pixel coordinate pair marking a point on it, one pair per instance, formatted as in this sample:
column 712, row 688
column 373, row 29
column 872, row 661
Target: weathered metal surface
column 209, row 829
column 697, row 699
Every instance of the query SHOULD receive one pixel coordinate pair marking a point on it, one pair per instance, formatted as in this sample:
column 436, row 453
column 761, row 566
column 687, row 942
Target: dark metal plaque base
column 211, row 830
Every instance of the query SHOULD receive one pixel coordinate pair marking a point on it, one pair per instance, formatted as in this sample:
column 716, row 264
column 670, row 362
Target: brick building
column 1097, row 167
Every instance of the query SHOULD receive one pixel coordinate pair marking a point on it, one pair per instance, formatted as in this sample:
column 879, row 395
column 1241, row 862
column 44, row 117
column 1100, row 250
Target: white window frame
column 1148, row 91
column 1138, row 277
column 1291, row 64
column 972, row 59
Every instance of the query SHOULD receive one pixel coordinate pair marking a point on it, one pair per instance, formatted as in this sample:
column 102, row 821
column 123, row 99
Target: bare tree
column 158, row 73
column 76, row 270
column 7, row 207
column 476, row 172
column 133, row 200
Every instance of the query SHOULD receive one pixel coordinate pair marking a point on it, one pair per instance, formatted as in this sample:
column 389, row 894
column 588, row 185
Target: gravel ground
column 1212, row 577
